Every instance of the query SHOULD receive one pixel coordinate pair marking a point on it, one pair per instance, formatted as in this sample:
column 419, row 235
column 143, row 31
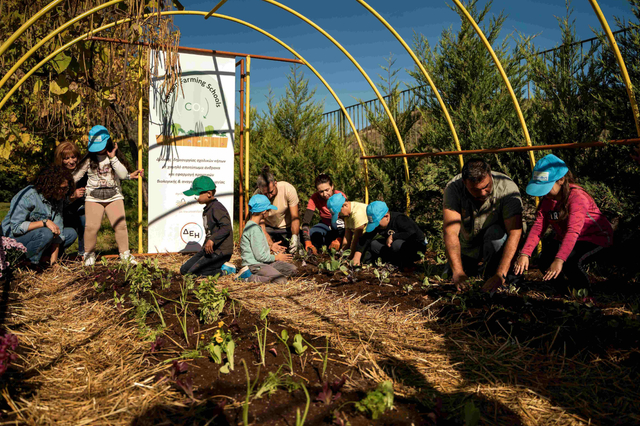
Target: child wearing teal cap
column 580, row 229
column 401, row 240
column 353, row 214
column 218, row 242
column 256, row 256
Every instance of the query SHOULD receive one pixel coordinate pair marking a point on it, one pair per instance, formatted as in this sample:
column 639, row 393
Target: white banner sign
column 190, row 135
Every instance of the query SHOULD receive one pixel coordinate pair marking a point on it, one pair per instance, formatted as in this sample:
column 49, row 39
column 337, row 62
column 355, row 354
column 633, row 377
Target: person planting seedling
column 401, row 240
column 256, row 256
column 327, row 232
column 580, row 230
column 218, row 245
column 354, row 215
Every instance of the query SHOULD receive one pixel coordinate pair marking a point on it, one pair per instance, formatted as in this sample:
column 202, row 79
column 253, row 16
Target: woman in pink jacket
column 580, row 229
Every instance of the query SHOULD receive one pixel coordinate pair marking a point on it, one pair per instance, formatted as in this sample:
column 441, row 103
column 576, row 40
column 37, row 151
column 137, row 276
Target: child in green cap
column 218, row 242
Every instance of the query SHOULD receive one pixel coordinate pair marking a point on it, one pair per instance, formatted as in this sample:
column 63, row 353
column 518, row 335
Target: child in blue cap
column 103, row 194
column 580, row 229
column 354, row 215
column 256, row 256
column 218, row 243
column 401, row 240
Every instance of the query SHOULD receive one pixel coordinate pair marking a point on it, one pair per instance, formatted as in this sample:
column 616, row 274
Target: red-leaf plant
column 331, row 391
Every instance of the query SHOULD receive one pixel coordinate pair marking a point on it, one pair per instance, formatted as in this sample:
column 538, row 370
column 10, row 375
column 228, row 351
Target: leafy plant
column 183, row 323
column 381, row 275
column 338, row 261
column 262, row 334
column 118, row 300
column 377, row 401
column 186, row 286
column 211, row 300
column 222, row 343
column 324, row 357
column 331, row 391
column 298, row 345
column 158, row 310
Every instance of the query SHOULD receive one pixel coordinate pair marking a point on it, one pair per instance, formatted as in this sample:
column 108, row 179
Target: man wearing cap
column 401, row 241
column 263, row 266
column 355, row 219
column 482, row 223
column 218, row 241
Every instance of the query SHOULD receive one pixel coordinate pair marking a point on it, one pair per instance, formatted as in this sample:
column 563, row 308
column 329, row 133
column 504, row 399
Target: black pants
column 573, row 268
column 279, row 234
column 401, row 253
column 203, row 264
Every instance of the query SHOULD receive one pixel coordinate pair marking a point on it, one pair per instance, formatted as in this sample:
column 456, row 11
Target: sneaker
column 89, row 259
column 128, row 257
column 228, row 269
column 243, row 274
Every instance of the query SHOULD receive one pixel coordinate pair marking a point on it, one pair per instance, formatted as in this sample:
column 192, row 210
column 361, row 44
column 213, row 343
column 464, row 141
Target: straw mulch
column 90, row 367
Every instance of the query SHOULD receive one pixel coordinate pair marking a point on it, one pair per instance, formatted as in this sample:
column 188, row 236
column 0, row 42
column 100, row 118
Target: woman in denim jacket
column 35, row 215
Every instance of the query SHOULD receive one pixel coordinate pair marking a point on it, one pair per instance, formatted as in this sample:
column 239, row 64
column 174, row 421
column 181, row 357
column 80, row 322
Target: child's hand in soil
column 554, row 270
column 285, row 257
column 521, row 265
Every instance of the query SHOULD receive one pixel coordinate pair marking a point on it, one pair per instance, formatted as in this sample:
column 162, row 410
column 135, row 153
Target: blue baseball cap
column 98, row 137
column 259, row 203
column 334, row 204
column 545, row 174
column 375, row 212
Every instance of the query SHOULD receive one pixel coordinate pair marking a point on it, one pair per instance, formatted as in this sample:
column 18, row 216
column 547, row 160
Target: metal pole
column 630, row 141
column 241, row 139
column 424, row 72
column 247, row 117
column 140, row 80
column 623, row 67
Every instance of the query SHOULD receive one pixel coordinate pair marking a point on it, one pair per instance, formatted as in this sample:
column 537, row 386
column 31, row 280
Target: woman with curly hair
column 35, row 216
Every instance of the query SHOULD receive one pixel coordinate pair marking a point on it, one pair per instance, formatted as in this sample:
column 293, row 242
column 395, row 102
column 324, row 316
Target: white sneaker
column 89, row 259
column 127, row 257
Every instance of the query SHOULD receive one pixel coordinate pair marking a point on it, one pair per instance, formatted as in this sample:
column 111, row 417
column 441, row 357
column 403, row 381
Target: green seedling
column 284, row 337
column 158, row 310
column 183, row 323
column 262, row 334
column 300, row 420
column 377, row 401
column 211, row 300
column 297, row 344
column 222, row 343
column 324, row 357
column 382, row 276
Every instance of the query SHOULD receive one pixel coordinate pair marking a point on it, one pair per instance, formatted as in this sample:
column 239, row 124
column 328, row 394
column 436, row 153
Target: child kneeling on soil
column 254, row 247
column 218, row 245
column 355, row 219
column 580, row 229
column 401, row 240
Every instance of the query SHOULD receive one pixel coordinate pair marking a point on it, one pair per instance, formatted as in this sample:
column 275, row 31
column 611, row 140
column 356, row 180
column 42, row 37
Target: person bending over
column 580, row 229
column 482, row 224
column 324, row 233
column 401, row 240
column 256, row 256
column 35, row 218
column 284, row 223
column 218, row 241
column 355, row 219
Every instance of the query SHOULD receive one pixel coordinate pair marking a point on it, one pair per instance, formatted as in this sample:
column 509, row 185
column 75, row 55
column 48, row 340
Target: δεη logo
column 192, row 233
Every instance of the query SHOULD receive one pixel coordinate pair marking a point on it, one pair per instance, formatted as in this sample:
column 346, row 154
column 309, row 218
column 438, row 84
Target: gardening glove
column 308, row 245
column 306, row 233
column 335, row 244
column 293, row 244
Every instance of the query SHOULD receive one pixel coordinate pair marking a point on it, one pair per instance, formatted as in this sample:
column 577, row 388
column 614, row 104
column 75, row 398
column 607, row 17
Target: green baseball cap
column 200, row 185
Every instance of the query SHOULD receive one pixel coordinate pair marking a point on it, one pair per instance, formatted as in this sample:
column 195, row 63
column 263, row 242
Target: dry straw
column 87, row 365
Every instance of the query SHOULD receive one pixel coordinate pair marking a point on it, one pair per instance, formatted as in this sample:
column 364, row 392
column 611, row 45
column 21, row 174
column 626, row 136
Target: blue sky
column 363, row 36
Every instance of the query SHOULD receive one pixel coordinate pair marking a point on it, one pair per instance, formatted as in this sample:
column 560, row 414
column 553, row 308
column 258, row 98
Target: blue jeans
column 38, row 240
column 322, row 235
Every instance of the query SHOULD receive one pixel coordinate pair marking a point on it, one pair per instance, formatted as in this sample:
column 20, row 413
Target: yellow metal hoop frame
column 623, row 67
column 424, row 72
column 364, row 74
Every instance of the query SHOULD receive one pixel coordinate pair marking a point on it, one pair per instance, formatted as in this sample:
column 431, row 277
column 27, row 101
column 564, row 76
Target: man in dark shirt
column 401, row 238
column 218, row 245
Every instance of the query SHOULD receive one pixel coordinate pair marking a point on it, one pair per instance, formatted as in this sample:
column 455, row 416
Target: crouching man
column 482, row 224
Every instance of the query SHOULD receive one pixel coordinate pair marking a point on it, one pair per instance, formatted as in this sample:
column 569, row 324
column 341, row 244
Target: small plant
column 104, row 261
column 284, row 337
column 270, row 384
column 324, row 357
column 300, row 420
column 99, row 287
column 211, row 300
column 337, row 262
column 192, row 354
column 377, row 401
column 118, row 301
column 183, row 323
column 262, row 334
column 331, row 391
column 140, row 280
column 381, row 275
column 298, row 345
column 222, row 343
column 157, row 310
column 186, row 286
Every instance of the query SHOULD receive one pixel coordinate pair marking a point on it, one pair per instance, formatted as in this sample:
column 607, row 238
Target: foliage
column 211, row 299
column 222, row 343
column 292, row 139
column 338, row 261
column 377, row 401
column 298, row 346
